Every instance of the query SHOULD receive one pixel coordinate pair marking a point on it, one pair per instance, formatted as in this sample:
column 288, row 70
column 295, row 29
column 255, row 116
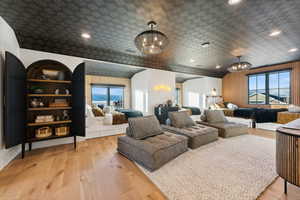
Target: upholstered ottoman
column 197, row 135
column 153, row 152
column 227, row 129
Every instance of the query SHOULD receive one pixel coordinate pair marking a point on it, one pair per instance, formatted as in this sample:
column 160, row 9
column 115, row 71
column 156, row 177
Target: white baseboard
column 7, row 155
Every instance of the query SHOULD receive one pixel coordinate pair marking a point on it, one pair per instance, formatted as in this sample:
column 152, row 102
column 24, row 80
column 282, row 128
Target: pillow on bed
column 98, row 112
column 232, row 106
column 143, row 127
column 181, row 119
column 220, row 105
column 294, row 108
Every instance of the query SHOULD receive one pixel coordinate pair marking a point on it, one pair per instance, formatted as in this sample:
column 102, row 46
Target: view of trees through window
column 269, row 88
column 108, row 95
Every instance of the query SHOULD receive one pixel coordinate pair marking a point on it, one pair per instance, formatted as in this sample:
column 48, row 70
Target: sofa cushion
column 153, row 152
column 181, row 119
column 143, row 127
column 213, row 116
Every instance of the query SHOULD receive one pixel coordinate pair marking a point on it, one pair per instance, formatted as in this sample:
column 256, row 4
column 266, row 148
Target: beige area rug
column 238, row 168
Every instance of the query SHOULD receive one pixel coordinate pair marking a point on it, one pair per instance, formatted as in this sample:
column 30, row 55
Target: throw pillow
column 203, row 118
column 294, row 108
column 143, row 127
column 214, row 116
column 98, row 112
column 181, row 119
column 220, row 105
column 232, row 106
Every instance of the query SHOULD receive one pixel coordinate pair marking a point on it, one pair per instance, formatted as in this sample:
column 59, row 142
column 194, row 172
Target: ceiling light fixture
column 192, row 60
column 218, row 66
column 86, row 35
column 275, row 33
column 205, row 44
column 152, row 41
column 293, row 50
column 233, row 2
column 239, row 66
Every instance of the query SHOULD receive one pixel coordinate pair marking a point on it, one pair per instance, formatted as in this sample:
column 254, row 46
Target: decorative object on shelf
column 50, row 74
column 34, row 103
column 61, row 76
column 56, row 91
column 151, row 42
column 44, row 118
column 239, row 66
column 37, row 89
column 43, row 132
column 62, row 131
column 65, row 115
column 61, row 91
column 59, row 103
column 41, row 104
column 57, row 118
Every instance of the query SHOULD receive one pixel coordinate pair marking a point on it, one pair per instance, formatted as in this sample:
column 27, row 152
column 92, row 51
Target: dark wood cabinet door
column 14, row 100
column 78, row 100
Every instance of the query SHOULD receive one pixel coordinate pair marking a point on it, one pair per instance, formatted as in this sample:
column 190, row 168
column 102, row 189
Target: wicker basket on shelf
column 43, row 132
column 62, row 131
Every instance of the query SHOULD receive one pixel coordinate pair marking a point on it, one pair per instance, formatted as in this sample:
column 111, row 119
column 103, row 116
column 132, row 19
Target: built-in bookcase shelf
column 49, row 108
column 49, row 81
column 49, row 123
column 27, row 119
column 49, row 95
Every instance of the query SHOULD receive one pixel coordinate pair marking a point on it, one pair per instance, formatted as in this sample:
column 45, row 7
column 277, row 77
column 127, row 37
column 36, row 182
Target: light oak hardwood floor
column 94, row 171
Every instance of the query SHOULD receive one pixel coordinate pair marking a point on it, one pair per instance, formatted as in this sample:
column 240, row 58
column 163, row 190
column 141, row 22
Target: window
column 269, row 88
column 178, row 96
column 108, row 95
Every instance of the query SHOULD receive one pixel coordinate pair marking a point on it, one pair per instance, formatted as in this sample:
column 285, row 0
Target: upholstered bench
column 147, row 144
column 227, row 129
column 153, row 152
column 197, row 135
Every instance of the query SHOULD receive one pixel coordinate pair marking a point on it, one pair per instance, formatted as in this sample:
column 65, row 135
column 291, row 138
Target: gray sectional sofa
column 149, row 145
column 152, row 145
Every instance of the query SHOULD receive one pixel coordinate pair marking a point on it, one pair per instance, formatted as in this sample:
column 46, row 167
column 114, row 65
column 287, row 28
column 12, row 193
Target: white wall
column 8, row 42
column 199, row 88
column 144, row 95
column 29, row 56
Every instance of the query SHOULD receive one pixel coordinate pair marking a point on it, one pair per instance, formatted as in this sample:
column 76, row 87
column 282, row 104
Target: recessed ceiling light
column 86, row 35
column 205, row 44
column 275, row 33
column 293, row 50
column 192, row 60
column 233, row 2
column 218, row 66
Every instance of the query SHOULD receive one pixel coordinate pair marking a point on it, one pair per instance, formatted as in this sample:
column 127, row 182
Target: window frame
column 267, row 88
column 108, row 87
column 178, row 96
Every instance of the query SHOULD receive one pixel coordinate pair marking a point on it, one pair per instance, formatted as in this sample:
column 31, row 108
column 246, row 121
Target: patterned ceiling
column 111, row 69
column 56, row 26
